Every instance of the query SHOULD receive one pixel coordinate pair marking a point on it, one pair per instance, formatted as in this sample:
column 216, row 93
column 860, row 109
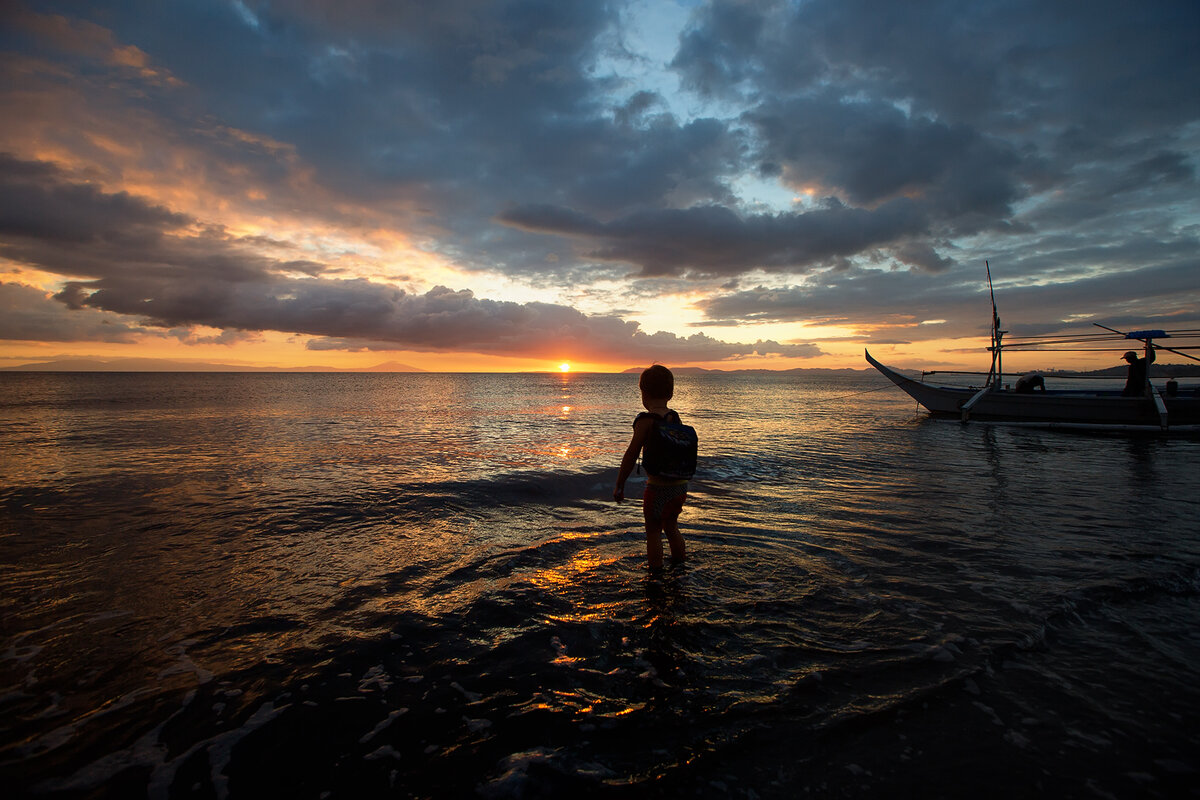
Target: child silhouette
column 664, row 495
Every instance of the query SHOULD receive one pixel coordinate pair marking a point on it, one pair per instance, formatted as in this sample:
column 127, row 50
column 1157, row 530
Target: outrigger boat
column 1163, row 407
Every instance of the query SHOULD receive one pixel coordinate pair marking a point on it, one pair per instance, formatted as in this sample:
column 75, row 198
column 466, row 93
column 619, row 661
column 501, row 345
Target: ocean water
column 218, row 585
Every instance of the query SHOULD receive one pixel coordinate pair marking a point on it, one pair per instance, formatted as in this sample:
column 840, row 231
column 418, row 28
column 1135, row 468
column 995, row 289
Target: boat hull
column 1052, row 407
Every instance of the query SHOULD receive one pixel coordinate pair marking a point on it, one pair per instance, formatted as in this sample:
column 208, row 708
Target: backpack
column 670, row 448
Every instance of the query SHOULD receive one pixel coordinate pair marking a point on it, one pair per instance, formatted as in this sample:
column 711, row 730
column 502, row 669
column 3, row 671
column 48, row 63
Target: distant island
column 169, row 365
column 86, row 364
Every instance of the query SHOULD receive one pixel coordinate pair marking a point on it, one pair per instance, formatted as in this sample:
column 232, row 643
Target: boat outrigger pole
column 1147, row 336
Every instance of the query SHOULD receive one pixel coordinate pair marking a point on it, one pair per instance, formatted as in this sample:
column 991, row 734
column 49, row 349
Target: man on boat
column 1135, row 383
column 1030, row 381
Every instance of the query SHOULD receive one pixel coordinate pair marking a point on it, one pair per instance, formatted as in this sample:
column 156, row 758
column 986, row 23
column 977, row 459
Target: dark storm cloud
column 963, row 111
column 966, row 109
column 873, row 152
column 713, row 240
column 437, row 115
column 466, row 100
column 1106, row 67
column 1165, row 294
column 33, row 203
column 206, row 277
column 77, row 230
column 853, row 296
column 30, row 314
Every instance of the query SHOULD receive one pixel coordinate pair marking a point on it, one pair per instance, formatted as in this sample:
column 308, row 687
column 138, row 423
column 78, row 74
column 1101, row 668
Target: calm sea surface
column 220, row 585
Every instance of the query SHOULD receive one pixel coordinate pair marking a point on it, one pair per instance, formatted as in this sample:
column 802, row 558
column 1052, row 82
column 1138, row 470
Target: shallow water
column 417, row 585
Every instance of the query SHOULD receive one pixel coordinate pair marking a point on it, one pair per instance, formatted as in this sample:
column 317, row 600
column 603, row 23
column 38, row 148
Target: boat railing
column 1110, row 341
column 1054, row 381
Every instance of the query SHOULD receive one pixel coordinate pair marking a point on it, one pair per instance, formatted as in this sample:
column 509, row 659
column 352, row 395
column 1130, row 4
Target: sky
column 508, row 185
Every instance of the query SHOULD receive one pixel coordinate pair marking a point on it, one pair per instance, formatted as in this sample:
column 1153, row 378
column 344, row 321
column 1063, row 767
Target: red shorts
column 663, row 502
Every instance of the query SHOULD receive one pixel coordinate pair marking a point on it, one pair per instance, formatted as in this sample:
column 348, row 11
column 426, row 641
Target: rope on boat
column 852, row 394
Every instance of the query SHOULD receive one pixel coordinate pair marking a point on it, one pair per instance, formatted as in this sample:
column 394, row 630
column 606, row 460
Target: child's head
column 657, row 382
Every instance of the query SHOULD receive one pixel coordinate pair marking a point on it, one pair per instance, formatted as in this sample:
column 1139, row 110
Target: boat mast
column 996, row 373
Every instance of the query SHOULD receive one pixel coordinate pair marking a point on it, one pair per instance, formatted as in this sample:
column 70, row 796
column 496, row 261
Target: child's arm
column 629, row 460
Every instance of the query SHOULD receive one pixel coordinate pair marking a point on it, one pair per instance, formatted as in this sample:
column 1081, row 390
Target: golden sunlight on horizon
column 283, row 351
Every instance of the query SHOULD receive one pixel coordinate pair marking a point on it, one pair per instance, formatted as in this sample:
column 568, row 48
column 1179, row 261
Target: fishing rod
column 1175, row 332
column 1147, row 340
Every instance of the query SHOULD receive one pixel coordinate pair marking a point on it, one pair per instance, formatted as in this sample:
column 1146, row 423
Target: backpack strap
column 671, row 416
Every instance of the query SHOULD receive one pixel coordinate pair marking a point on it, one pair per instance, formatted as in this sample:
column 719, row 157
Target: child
column 664, row 496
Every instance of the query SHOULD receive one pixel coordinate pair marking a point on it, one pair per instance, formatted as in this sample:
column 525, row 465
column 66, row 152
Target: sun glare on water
column 564, row 367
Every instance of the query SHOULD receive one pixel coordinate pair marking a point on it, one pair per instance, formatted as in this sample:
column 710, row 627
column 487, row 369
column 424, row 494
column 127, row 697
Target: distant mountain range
column 169, row 365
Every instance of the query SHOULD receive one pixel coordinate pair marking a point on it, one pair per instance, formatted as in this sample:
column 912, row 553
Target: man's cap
column 1129, row 355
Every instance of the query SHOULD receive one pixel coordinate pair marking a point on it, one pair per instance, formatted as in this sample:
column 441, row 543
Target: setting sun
column 564, row 367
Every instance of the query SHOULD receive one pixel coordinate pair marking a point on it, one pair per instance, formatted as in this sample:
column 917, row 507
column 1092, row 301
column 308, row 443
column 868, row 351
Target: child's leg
column 654, row 547
column 674, row 538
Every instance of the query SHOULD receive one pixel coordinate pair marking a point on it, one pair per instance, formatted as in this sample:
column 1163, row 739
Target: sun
column 564, row 367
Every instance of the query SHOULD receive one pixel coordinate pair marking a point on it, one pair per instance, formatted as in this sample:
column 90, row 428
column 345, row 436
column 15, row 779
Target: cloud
column 967, row 110
column 169, row 272
column 895, row 303
column 30, row 314
column 361, row 315
column 447, row 320
column 714, row 240
column 34, row 204
column 999, row 67
column 857, row 159
column 86, row 39
column 873, row 152
column 430, row 122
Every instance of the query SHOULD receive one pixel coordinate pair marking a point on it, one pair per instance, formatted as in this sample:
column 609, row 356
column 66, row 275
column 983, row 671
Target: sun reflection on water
column 581, row 569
